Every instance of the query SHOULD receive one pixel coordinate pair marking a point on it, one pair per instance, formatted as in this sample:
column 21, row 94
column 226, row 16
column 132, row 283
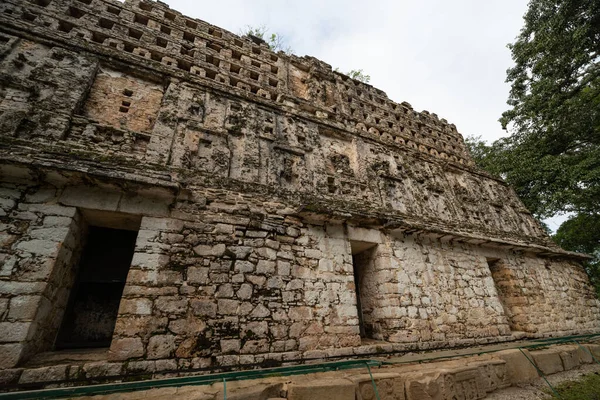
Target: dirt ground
column 538, row 390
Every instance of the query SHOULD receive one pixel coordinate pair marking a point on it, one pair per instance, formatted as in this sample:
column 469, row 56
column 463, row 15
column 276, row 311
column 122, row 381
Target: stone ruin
column 175, row 197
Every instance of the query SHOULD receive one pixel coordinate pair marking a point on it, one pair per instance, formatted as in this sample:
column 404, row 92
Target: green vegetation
column 587, row 388
column 275, row 41
column 552, row 157
column 357, row 74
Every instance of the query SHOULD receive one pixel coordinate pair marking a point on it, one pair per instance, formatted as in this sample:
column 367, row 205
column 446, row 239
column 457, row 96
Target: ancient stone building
column 185, row 197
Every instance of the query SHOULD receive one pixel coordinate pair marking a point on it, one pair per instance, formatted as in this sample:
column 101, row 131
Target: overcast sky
column 445, row 56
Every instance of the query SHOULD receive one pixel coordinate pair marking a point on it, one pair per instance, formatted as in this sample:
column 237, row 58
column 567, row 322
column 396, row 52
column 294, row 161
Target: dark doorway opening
column 363, row 255
column 91, row 313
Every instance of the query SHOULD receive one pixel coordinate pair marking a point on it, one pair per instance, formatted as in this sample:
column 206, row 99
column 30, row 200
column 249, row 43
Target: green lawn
column 588, row 388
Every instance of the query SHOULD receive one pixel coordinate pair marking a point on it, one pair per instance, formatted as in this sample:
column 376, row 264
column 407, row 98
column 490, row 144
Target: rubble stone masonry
column 283, row 210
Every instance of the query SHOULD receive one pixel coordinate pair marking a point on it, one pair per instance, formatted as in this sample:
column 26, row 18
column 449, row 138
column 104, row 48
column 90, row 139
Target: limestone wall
column 224, row 280
column 40, row 244
column 122, row 118
column 266, row 189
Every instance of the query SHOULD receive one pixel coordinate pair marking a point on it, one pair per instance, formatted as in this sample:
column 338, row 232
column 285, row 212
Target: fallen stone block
column 390, row 386
column 585, row 356
column 570, row 357
column 426, row 386
column 322, row 389
column 594, row 350
column 494, row 375
column 259, row 391
column 518, row 368
column 464, row 382
column 548, row 361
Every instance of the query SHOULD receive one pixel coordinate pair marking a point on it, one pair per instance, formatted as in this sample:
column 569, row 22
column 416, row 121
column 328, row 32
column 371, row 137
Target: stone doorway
column 363, row 256
column 91, row 313
column 504, row 283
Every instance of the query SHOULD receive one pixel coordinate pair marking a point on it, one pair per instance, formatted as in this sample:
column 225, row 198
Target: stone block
column 23, row 308
column 594, row 350
column 390, row 386
column 464, row 383
column 172, row 305
column 11, row 354
column 245, row 291
column 585, row 356
column 102, row 368
column 426, row 386
column 216, row 250
column 548, row 361
column 322, row 389
column 125, row 348
column 494, row 375
column 161, row 224
column 198, row 275
column 39, row 247
column 52, row 221
column 16, row 288
column 250, row 390
column 9, row 376
column 187, row 326
column 4, row 306
column 44, row 374
column 138, row 204
column 364, row 235
column 265, row 267
column 228, row 307
column 241, row 252
column 149, row 261
column 204, row 308
column 570, row 357
column 300, row 313
column 161, row 346
column 266, row 253
column 139, row 306
column 519, row 369
column 52, row 209
column 14, row 331
column 42, row 195
column 94, row 198
column 55, row 234
column 230, row 346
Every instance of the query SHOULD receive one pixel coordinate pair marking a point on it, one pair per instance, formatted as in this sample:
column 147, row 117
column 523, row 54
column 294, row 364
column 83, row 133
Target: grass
column 587, row 388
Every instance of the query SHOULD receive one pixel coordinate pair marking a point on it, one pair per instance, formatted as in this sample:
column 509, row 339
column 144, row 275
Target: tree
column 275, row 41
column 581, row 233
column 554, row 148
column 552, row 157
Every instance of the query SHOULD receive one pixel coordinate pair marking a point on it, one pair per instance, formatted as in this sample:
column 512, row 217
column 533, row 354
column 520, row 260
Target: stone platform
column 448, row 374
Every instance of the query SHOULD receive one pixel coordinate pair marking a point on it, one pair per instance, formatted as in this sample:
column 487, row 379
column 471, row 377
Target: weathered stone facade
column 283, row 210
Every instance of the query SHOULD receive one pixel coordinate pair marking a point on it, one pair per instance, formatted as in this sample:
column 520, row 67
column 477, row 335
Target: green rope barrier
column 373, row 382
column 540, row 373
